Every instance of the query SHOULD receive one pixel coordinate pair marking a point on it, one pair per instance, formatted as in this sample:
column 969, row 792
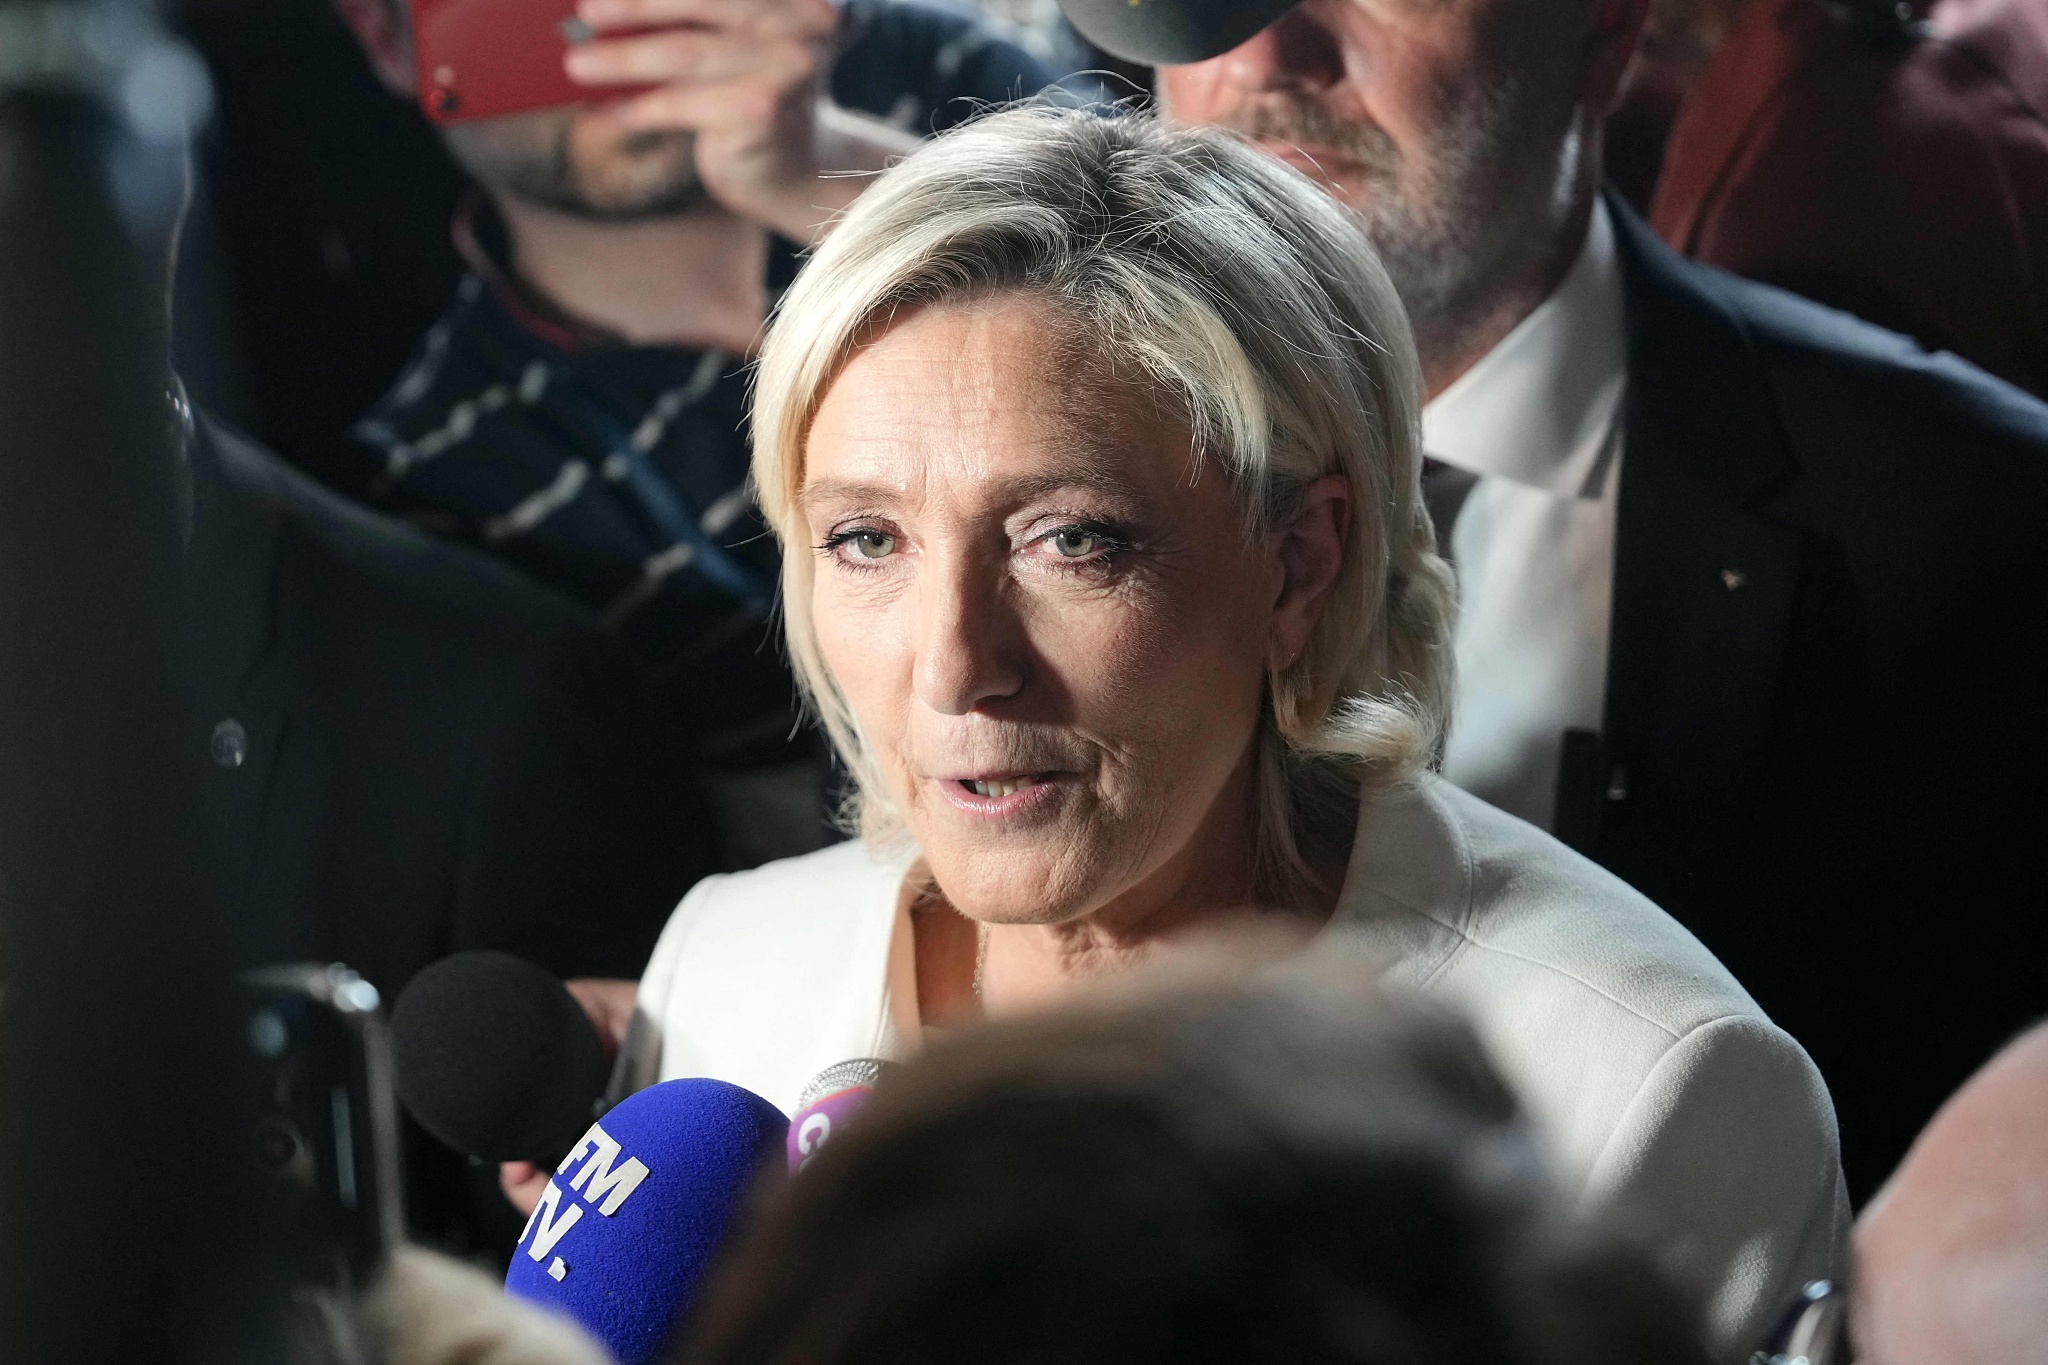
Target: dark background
column 318, row 251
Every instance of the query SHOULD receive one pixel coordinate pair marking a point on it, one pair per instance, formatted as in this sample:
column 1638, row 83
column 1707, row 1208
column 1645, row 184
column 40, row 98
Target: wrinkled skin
column 1025, row 576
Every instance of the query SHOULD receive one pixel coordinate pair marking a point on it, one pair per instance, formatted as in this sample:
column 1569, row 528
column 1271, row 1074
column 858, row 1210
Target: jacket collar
column 1705, row 575
column 1539, row 408
column 1698, row 397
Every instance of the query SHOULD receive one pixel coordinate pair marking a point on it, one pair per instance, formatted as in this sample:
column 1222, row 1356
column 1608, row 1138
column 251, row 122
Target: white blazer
column 1660, row 1089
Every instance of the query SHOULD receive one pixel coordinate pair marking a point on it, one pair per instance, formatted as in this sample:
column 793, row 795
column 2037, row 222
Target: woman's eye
column 1076, row 542
column 871, row 544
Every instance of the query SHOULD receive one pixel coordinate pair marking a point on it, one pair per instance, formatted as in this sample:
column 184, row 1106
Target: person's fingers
column 745, row 104
column 522, row 1182
column 686, row 56
column 809, row 18
column 609, row 1001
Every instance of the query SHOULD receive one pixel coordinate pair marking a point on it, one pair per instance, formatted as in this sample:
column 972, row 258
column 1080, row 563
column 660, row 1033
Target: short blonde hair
column 1253, row 305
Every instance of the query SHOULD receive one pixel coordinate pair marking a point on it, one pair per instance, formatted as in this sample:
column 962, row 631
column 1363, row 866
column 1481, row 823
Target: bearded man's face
column 578, row 160
column 581, row 161
column 1445, row 123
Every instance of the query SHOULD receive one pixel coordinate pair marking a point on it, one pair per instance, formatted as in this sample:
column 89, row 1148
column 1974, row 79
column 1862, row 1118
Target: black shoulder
column 1841, row 386
column 1834, row 372
column 426, row 570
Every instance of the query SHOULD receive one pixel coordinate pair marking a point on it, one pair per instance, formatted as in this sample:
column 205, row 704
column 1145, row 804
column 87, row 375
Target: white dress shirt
column 1538, row 419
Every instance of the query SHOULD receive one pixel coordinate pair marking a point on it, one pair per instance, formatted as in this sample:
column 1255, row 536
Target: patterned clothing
column 616, row 473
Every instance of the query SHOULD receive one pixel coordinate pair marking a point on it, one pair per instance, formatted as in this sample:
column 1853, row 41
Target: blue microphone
column 624, row 1233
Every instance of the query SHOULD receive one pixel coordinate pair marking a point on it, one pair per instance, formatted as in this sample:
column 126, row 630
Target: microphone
column 831, row 1098
column 625, row 1232
column 495, row 1058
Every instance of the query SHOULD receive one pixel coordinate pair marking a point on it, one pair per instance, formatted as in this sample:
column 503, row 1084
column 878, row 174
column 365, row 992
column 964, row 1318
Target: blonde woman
column 1091, row 444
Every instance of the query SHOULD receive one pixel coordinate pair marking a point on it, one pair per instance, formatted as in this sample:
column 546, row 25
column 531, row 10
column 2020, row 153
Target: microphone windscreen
column 831, row 1098
column 494, row 1057
column 860, row 1071
column 628, row 1227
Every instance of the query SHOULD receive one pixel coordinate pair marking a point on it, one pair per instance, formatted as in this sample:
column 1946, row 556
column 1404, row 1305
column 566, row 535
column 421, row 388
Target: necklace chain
column 980, row 956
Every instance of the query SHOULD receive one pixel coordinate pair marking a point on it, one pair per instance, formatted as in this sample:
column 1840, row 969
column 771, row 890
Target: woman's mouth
column 1000, row 795
column 997, row 786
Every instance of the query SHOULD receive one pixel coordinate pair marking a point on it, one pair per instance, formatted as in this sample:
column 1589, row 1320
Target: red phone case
column 484, row 58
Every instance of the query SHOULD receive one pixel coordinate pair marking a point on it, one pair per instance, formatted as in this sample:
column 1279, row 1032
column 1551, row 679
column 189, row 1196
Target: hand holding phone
column 479, row 59
column 742, row 71
column 747, row 77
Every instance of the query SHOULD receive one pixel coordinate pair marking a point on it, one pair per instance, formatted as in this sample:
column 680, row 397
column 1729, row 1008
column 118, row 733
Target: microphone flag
column 831, row 1098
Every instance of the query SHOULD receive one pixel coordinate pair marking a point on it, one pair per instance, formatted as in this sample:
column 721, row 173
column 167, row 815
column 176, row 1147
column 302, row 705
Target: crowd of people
column 844, row 562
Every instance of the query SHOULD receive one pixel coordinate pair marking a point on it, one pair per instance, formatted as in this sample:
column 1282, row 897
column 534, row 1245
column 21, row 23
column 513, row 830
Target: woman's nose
column 970, row 647
column 1298, row 53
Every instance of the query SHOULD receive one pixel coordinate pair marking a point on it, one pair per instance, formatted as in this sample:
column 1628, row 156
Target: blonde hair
column 1254, row 307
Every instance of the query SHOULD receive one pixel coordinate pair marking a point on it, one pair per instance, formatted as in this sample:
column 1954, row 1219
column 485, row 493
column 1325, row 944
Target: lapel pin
column 230, row 745
column 1733, row 579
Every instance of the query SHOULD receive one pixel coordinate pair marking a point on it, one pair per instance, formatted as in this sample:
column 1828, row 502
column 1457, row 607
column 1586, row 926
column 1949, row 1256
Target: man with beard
column 1753, row 594
column 578, row 411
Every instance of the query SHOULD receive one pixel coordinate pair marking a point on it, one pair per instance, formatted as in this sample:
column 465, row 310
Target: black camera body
column 324, row 1147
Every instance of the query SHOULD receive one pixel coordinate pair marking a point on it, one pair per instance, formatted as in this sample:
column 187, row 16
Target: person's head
column 1295, row 1171
column 1092, row 443
column 576, row 159
column 1465, row 131
column 425, row 1308
column 1951, row 1258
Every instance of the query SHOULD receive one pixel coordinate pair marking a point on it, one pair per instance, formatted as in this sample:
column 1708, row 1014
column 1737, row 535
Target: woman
column 1092, row 447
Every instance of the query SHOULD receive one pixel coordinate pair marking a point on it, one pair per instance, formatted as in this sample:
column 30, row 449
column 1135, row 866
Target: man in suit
column 1752, row 593
column 420, row 751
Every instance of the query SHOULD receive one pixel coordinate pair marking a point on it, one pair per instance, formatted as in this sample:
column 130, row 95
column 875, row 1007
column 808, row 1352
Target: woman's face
column 1046, row 619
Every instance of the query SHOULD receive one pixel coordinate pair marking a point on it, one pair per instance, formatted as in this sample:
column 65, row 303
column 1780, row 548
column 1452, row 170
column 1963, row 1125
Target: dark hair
column 1289, row 1172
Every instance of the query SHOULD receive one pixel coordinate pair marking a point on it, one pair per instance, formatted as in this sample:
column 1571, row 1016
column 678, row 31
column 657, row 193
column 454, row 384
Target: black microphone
column 495, row 1058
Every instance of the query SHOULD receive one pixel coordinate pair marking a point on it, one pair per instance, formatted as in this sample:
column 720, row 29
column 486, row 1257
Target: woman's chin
column 1010, row 885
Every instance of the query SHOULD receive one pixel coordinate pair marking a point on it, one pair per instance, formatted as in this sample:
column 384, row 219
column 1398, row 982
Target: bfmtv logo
column 601, row 1182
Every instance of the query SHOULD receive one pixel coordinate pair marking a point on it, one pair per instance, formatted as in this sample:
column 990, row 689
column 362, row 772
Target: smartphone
column 487, row 58
column 324, row 1144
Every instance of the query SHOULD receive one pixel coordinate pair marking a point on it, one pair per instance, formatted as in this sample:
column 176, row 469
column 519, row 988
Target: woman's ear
column 384, row 28
column 1311, row 555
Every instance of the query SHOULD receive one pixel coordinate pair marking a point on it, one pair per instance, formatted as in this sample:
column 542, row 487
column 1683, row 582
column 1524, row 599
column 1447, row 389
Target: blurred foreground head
column 1296, row 1171
column 429, row 1309
column 1952, row 1255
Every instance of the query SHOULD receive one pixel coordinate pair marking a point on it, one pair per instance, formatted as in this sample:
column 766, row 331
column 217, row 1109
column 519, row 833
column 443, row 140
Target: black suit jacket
column 421, row 751
column 1826, row 730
